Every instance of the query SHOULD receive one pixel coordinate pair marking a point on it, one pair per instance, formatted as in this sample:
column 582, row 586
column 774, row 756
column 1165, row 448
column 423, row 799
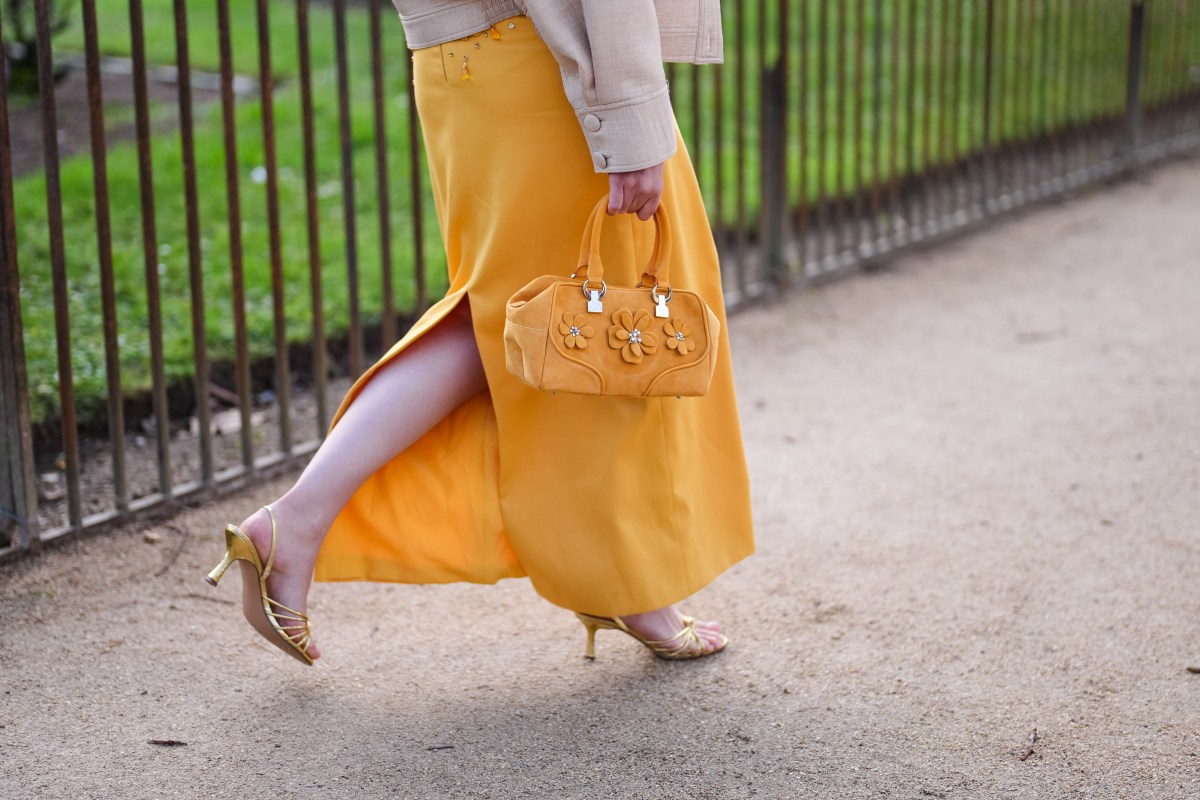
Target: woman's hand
column 637, row 192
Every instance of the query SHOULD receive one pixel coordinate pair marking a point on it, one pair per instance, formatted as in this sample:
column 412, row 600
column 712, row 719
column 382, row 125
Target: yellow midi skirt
column 609, row 505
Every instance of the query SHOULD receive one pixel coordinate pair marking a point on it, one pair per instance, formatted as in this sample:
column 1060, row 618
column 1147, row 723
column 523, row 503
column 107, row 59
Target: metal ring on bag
column 654, row 293
column 603, row 288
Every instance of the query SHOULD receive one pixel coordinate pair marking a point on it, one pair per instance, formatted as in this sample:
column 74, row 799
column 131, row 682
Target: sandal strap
column 688, row 641
column 293, row 625
column 271, row 554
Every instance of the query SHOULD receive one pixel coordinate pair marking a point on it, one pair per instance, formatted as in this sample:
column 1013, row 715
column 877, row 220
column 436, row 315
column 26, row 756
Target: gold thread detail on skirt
column 465, row 72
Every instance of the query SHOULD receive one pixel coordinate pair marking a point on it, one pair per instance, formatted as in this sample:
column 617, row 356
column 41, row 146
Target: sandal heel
column 589, row 651
column 237, row 546
column 214, row 577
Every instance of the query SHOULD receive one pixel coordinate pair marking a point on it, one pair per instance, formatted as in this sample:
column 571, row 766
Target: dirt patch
column 116, row 87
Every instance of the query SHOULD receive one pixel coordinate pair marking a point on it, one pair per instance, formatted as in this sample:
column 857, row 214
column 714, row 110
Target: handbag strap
column 657, row 270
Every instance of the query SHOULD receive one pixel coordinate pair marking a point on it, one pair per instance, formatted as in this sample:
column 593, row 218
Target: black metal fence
column 214, row 212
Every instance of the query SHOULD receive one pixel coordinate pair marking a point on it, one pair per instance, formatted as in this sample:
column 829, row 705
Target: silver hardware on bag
column 593, row 297
column 660, row 301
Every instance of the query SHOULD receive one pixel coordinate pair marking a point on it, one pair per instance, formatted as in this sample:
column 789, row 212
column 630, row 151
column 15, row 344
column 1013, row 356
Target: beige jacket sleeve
column 610, row 55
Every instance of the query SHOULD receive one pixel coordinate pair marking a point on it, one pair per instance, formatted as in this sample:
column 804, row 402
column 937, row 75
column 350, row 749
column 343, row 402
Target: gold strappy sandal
column 286, row 628
column 685, row 644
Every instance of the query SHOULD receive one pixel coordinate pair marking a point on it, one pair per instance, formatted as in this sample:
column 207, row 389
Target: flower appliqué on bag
column 679, row 336
column 575, row 329
column 630, row 333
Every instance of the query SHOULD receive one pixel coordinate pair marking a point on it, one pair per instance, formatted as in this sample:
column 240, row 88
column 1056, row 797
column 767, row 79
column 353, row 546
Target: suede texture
column 553, row 342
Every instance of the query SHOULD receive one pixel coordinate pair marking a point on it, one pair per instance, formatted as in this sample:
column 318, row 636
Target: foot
column 665, row 623
column 295, row 556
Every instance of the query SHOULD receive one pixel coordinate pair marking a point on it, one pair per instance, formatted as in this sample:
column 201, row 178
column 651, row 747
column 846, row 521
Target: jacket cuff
column 632, row 134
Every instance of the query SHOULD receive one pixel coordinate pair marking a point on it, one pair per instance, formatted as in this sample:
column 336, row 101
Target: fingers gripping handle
column 590, row 266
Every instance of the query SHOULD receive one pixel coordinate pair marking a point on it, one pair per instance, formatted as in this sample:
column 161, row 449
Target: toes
column 713, row 640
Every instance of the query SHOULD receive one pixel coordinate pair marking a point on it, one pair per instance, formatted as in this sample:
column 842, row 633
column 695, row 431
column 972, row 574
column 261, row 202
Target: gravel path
column 976, row 485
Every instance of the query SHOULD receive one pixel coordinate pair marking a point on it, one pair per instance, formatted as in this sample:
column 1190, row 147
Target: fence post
column 775, row 209
column 1133, row 85
column 18, row 500
column 17, row 493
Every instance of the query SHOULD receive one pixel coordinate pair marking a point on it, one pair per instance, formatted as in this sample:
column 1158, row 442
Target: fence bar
column 773, row 171
column 266, row 94
column 860, row 123
column 108, row 302
column 740, row 146
column 1133, row 85
column 942, row 176
column 1070, row 71
column 989, row 73
column 357, row 356
column 766, row 145
column 719, row 161
column 873, row 230
column 1194, row 69
column 1053, row 119
column 382, row 195
column 1178, row 66
column 910, row 127
column 1092, row 76
column 823, row 215
column 929, row 155
column 804, row 209
column 58, row 263
column 320, row 367
column 839, row 154
column 1023, row 86
column 234, row 215
column 414, row 172
column 195, row 260
column 894, row 209
column 162, row 429
column 697, row 125
column 973, row 170
column 18, row 492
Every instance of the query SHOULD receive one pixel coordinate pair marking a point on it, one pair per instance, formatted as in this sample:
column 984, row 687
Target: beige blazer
column 611, row 54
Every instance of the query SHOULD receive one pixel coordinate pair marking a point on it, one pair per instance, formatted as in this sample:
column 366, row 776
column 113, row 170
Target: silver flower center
column 679, row 335
column 574, row 330
column 635, row 336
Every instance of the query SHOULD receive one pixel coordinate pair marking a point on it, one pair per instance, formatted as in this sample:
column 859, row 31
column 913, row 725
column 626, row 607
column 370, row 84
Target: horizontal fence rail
column 213, row 213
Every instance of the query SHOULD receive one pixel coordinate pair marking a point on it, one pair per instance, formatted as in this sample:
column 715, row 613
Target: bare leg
column 403, row 401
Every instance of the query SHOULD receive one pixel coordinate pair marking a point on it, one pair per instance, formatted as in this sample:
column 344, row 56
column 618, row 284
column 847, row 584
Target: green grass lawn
column 1033, row 53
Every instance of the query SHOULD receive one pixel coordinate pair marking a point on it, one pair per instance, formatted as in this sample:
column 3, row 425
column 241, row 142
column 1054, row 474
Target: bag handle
column 657, row 272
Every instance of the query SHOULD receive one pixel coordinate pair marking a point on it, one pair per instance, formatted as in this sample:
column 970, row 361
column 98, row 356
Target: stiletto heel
column 685, row 641
column 286, row 628
column 590, row 650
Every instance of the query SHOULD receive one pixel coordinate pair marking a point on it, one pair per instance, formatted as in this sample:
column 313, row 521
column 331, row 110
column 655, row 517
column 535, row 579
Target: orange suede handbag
column 583, row 336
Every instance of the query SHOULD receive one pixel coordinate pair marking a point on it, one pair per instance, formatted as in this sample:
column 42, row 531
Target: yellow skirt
column 609, row 505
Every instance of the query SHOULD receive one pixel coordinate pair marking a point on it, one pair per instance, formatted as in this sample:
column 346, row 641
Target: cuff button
column 591, row 123
column 599, row 159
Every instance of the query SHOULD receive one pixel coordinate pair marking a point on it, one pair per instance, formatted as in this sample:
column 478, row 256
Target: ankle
column 294, row 542
column 303, row 525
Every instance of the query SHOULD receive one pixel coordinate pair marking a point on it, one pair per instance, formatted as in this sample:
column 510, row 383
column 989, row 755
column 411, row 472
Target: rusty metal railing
column 836, row 135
